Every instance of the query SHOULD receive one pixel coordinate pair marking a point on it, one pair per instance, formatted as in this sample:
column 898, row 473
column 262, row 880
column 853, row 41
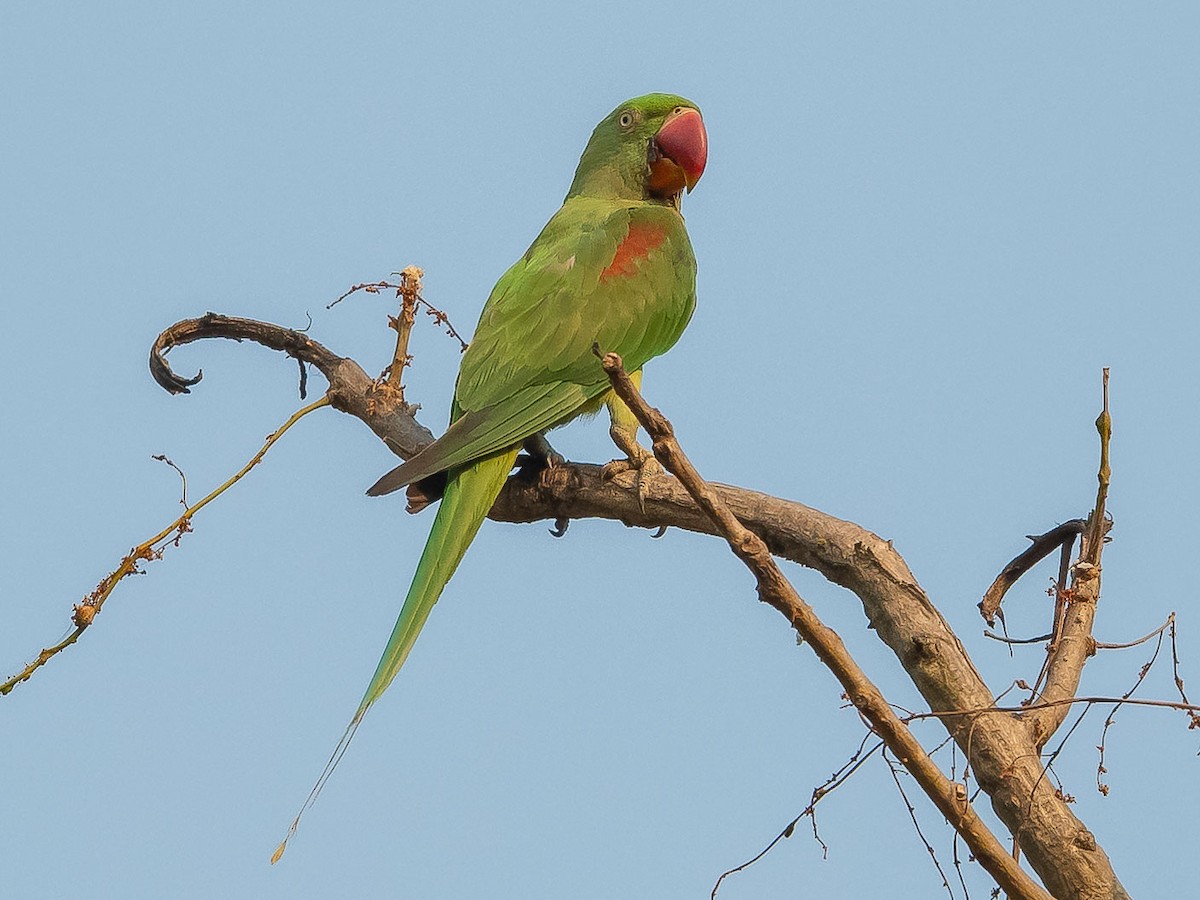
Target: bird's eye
column 626, row 119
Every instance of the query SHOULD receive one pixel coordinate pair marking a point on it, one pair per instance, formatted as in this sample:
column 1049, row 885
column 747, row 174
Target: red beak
column 683, row 144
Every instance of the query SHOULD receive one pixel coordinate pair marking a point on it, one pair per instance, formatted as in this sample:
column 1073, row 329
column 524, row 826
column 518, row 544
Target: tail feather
column 470, row 493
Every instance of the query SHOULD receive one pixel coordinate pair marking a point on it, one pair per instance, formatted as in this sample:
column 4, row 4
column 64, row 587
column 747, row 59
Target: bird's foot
column 539, row 458
column 644, row 464
column 425, row 492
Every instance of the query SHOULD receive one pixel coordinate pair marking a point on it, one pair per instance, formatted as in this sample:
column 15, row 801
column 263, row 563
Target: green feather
column 470, row 493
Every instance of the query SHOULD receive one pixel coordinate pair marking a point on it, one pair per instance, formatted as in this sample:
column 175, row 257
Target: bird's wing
column 616, row 275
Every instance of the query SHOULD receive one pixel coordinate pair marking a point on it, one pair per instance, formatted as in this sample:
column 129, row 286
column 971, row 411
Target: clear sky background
column 923, row 231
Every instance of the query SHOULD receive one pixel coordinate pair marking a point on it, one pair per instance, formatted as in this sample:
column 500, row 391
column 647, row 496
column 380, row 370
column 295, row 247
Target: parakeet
column 613, row 267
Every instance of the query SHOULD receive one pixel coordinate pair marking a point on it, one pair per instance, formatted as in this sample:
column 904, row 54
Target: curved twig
column 213, row 325
column 351, row 390
column 1043, row 545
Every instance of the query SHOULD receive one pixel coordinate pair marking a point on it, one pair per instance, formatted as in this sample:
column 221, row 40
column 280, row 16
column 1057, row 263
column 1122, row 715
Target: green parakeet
column 613, row 267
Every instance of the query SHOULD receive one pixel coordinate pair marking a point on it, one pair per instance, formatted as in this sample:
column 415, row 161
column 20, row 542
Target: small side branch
column 85, row 612
column 213, row 325
column 374, row 287
column 832, row 783
column 1097, row 527
column 351, row 390
column 774, row 589
column 409, row 292
column 1073, row 643
column 1061, row 536
column 1112, row 713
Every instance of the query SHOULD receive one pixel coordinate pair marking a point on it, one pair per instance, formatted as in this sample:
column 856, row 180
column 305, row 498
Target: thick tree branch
column 999, row 745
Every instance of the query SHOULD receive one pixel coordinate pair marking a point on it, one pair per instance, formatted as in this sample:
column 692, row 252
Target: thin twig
column 1048, row 767
column 1111, row 717
column 1100, row 645
column 85, row 612
column 163, row 458
column 912, row 814
column 375, row 287
column 1194, row 719
column 1048, row 704
column 1005, row 639
column 836, row 780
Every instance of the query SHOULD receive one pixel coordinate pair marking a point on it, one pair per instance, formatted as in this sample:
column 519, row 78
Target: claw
column 623, row 432
column 649, row 466
column 541, row 453
column 539, row 458
column 646, row 467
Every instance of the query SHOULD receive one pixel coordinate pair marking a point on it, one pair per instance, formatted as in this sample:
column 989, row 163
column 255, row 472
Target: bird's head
column 651, row 147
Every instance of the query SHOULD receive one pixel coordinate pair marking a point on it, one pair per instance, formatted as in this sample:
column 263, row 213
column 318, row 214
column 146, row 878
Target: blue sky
column 921, row 234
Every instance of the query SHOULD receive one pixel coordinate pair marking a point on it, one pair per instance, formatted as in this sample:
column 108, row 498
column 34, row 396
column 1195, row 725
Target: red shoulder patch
column 637, row 244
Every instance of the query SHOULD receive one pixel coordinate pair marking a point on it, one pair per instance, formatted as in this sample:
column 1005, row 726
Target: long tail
column 470, row 493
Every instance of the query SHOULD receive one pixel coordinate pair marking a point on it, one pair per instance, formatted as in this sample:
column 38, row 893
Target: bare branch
column 1100, row 645
column 1073, row 644
column 1043, row 545
column 1103, row 645
column 409, row 293
column 351, row 390
column 1065, row 702
column 1005, row 639
column 893, row 767
column 774, row 589
column 1111, row 718
column 836, row 780
column 85, row 613
column 375, row 287
column 1193, row 717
